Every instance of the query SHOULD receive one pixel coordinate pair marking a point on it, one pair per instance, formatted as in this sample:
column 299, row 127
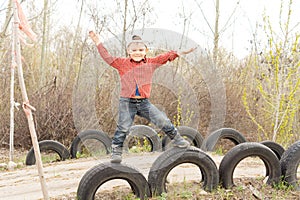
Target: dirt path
column 63, row 177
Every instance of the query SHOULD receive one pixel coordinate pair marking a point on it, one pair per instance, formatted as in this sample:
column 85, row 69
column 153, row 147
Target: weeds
column 140, row 145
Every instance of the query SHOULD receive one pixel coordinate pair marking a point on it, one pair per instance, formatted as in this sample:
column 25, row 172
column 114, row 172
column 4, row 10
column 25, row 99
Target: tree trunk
column 44, row 44
column 7, row 18
column 216, row 33
column 12, row 101
column 124, row 27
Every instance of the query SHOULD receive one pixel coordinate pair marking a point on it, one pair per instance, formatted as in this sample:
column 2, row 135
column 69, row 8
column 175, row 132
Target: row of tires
column 141, row 131
column 277, row 169
column 287, row 168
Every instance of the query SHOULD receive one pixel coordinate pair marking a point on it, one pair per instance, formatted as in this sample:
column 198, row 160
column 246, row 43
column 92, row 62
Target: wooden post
column 26, row 106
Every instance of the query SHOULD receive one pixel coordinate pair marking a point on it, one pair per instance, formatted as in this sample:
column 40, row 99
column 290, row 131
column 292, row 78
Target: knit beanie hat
column 136, row 39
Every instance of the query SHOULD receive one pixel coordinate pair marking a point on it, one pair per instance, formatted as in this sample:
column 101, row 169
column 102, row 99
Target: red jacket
column 136, row 73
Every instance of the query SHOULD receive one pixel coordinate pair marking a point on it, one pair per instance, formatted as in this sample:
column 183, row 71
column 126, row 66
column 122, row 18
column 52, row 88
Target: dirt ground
column 62, row 179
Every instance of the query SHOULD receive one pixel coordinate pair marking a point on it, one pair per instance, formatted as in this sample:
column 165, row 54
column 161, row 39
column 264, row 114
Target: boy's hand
column 95, row 37
column 188, row 51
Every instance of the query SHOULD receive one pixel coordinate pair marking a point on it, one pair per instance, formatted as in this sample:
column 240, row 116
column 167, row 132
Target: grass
column 85, row 153
column 140, row 145
column 247, row 188
column 49, row 157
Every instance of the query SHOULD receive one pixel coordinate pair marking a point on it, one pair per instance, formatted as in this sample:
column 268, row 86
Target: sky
column 237, row 30
column 240, row 28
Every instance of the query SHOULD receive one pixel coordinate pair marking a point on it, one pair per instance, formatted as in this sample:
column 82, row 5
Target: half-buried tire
column 89, row 135
column 244, row 150
column 173, row 157
column 275, row 147
column 289, row 163
column 141, row 131
column 45, row 146
column 190, row 134
column 211, row 140
column 104, row 172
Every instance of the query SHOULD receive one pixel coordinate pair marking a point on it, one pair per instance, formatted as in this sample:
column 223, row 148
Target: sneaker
column 180, row 142
column 116, row 154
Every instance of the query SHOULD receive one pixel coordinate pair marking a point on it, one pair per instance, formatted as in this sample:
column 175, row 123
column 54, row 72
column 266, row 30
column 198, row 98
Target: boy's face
column 137, row 51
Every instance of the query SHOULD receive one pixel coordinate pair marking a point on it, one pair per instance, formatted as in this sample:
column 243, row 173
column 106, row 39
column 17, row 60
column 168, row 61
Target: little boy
column 136, row 73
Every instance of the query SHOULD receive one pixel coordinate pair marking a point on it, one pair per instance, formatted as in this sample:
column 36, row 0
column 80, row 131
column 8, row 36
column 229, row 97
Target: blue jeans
column 128, row 108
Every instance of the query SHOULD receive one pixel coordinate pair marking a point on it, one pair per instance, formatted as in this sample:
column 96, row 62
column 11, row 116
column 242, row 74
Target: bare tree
column 7, row 19
column 124, row 25
column 125, row 18
column 75, row 43
column 217, row 31
column 44, row 43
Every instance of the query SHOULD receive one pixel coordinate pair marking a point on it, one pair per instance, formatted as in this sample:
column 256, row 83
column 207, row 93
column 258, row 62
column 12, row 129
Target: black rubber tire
column 90, row 134
column 144, row 131
column 100, row 174
column 289, row 163
column 275, row 147
column 45, row 145
column 191, row 134
column 244, row 150
column 176, row 156
column 210, row 141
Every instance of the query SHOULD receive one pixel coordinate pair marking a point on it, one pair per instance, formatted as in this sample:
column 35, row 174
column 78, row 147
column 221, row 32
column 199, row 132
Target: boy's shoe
column 116, row 154
column 180, row 142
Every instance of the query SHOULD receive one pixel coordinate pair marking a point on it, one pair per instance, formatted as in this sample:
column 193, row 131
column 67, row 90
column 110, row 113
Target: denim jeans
column 128, row 108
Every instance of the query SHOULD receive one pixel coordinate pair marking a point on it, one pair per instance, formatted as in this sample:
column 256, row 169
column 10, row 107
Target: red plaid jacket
column 136, row 73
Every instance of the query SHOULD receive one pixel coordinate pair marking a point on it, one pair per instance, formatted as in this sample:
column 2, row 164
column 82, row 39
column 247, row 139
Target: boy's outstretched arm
column 187, row 52
column 94, row 37
column 115, row 62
